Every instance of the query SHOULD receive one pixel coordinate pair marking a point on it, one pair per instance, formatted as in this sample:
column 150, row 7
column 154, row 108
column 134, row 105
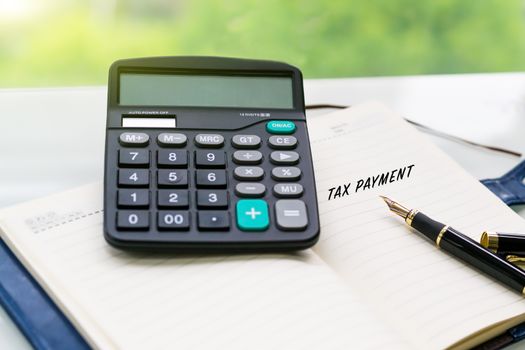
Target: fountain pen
column 462, row 247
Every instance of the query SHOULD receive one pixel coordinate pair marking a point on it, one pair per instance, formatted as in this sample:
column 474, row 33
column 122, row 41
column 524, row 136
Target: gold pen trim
column 410, row 216
column 515, row 258
column 440, row 235
column 523, row 291
column 489, row 240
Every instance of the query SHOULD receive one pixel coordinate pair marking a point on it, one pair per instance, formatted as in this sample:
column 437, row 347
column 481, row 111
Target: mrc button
column 280, row 127
column 209, row 140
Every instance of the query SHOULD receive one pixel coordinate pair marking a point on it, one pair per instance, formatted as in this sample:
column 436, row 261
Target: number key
column 133, row 157
column 210, row 159
column 176, row 159
column 212, row 199
column 211, row 178
column 173, row 220
column 172, row 178
column 173, row 198
column 133, row 177
column 133, row 198
column 132, row 220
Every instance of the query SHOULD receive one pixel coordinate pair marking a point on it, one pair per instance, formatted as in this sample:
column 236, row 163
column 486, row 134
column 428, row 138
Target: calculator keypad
column 189, row 186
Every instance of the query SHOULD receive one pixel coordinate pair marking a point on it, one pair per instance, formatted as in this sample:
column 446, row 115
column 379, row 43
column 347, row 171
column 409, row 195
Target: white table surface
column 53, row 139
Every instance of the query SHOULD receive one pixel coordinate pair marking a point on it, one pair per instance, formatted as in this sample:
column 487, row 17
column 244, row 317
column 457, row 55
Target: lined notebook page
column 429, row 296
column 132, row 301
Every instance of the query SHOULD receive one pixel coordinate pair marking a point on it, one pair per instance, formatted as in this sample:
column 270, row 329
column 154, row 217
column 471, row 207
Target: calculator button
column 247, row 157
column 172, row 178
column 168, row 158
column 210, row 178
column 291, row 214
column 280, row 127
column 209, row 140
column 132, row 220
column 133, row 198
column 134, row 139
column 173, row 220
column 252, row 215
column 168, row 139
column 282, row 142
column 288, row 190
column 212, row 199
column 248, row 173
column 213, row 220
column 250, row 189
column 133, row 177
column 133, row 157
column 246, row 141
column 284, row 157
column 286, row 173
column 210, row 159
column 173, row 198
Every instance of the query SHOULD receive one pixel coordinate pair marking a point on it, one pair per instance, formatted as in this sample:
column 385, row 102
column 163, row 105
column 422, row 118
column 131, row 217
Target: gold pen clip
column 515, row 259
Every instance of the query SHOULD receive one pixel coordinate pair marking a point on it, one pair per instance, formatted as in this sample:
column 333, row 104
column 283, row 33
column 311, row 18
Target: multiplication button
column 248, row 173
column 291, row 214
column 246, row 141
column 282, row 142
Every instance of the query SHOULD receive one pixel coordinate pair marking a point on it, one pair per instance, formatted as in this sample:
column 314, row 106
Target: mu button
column 252, row 215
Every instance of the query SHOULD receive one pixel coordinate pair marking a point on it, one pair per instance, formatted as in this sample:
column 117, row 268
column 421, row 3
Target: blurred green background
column 67, row 42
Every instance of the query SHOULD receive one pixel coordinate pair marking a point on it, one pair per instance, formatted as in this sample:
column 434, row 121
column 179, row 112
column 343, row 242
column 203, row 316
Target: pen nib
column 396, row 207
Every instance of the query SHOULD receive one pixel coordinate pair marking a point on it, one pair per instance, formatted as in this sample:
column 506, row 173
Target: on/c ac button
column 280, row 127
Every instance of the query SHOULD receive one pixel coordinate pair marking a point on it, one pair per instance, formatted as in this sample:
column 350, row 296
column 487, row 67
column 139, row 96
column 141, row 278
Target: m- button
column 209, row 140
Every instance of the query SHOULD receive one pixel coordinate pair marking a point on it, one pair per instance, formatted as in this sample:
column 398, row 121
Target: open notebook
column 368, row 283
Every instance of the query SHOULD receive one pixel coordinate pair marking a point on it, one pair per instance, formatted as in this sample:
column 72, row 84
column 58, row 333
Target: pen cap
column 504, row 243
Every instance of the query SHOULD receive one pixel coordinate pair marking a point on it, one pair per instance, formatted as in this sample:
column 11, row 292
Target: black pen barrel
column 484, row 260
column 470, row 251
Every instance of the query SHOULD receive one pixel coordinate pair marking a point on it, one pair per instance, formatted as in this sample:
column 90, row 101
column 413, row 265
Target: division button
column 288, row 190
column 246, row 141
column 173, row 220
column 248, row 173
column 291, row 214
column 209, row 140
column 284, row 157
column 252, row 215
column 250, row 189
column 213, row 220
column 132, row 220
column 168, row 139
column 134, row 139
column 247, row 157
column 286, row 173
column 282, row 142
column 280, row 127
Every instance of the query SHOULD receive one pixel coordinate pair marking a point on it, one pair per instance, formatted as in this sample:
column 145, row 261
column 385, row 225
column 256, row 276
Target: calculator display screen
column 205, row 90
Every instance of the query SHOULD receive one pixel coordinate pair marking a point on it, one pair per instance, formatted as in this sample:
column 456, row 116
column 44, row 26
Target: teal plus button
column 252, row 215
column 280, row 127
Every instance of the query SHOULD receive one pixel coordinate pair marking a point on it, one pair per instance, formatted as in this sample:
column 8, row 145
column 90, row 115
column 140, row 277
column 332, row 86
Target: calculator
column 208, row 154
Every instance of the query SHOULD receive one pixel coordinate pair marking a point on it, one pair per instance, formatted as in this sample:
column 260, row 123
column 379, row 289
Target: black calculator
column 208, row 154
